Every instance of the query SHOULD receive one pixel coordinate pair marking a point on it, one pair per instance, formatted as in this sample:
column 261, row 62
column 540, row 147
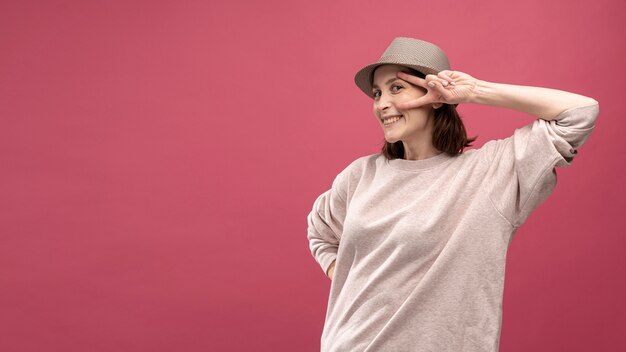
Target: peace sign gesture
column 448, row 87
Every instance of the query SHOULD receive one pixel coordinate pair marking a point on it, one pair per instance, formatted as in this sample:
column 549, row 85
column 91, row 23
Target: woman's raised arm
column 454, row 87
column 544, row 103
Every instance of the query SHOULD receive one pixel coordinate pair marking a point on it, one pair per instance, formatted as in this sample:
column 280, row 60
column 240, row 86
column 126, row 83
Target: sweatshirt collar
column 419, row 165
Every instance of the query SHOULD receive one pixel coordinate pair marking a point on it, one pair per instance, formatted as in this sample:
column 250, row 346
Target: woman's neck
column 421, row 148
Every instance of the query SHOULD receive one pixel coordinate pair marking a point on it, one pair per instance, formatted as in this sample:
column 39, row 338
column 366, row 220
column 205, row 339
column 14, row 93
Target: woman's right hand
column 448, row 87
column 331, row 270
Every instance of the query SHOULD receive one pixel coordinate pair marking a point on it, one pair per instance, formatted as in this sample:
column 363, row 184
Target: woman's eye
column 376, row 93
column 394, row 88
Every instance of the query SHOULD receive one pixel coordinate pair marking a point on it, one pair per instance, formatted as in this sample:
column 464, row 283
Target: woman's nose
column 384, row 102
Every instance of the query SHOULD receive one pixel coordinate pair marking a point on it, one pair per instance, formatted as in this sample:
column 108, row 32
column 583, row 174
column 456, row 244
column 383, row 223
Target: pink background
column 158, row 160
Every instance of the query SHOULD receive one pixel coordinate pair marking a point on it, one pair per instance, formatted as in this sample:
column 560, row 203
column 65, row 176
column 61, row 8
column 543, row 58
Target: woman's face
column 388, row 91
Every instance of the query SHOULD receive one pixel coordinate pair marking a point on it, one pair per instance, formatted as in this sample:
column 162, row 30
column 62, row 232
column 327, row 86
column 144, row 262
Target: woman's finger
column 435, row 78
column 445, row 95
column 412, row 79
column 423, row 100
column 445, row 74
column 447, row 78
column 437, row 85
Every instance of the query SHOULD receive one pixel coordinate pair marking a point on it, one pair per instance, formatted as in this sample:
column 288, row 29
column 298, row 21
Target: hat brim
column 365, row 76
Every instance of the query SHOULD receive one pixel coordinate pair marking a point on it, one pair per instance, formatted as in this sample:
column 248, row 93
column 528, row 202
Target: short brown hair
column 449, row 133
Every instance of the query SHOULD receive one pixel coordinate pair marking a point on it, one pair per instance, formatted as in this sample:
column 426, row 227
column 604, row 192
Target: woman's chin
column 391, row 139
column 392, row 136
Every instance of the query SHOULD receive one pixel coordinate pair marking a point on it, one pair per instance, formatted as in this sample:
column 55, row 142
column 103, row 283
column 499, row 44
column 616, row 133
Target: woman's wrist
column 482, row 91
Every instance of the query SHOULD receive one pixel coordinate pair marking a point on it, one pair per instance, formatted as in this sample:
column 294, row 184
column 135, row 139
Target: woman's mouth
column 389, row 121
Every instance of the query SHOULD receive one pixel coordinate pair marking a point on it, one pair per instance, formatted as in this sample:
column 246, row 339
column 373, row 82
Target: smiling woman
column 434, row 124
column 415, row 238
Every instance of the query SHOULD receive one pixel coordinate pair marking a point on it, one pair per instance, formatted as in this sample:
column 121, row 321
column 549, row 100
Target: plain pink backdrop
column 159, row 158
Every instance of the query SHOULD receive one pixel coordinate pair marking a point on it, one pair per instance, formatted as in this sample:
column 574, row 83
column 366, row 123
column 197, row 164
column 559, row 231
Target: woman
column 414, row 238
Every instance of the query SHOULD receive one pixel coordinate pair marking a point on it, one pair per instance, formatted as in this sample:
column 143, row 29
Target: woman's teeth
column 391, row 120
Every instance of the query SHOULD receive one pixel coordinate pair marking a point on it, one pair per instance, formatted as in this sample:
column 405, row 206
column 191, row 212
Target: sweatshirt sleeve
column 522, row 170
column 325, row 222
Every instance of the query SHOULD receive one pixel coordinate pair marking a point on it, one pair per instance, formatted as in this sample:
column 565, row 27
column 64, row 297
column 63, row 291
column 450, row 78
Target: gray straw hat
column 418, row 54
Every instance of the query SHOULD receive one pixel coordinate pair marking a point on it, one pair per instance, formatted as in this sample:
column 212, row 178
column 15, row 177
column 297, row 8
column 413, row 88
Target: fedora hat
column 418, row 54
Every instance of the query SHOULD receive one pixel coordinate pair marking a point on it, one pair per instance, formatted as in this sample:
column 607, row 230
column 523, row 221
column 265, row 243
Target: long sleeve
column 522, row 170
column 325, row 223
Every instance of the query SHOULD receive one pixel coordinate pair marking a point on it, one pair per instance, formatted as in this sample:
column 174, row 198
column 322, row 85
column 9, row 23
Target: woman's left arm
column 545, row 103
column 454, row 87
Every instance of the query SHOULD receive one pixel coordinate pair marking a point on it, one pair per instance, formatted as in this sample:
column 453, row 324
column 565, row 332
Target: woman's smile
column 390, row 121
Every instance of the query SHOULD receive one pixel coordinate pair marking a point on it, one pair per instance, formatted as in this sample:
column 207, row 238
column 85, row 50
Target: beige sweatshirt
column 420, row 245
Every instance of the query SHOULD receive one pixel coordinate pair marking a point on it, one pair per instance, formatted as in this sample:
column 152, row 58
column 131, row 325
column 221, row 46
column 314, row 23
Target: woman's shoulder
column 357, row 167
column 361, row 163
column 486, row 150
column 366, row 159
